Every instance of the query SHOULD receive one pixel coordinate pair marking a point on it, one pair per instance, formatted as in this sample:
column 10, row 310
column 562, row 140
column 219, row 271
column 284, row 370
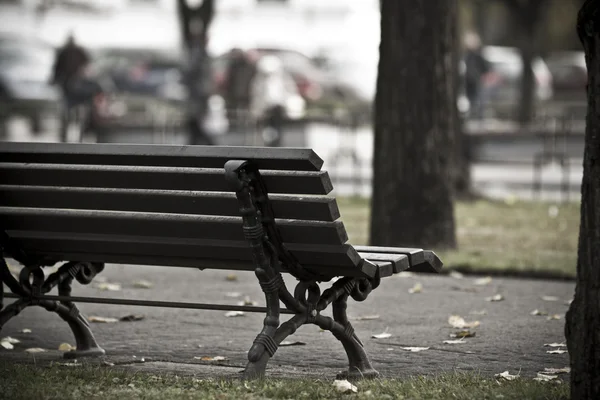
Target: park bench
column 208, row 207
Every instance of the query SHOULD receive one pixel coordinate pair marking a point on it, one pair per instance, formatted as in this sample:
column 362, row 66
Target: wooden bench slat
column 386, row 268
column 420, row 260
column 340, row 260
column 159, row 178
column 399, row 261
column 316, row 208
column 297, row 159
column 168, row 225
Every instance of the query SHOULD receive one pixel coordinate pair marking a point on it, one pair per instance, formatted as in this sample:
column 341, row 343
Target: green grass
column 89, row 382
column 496, row 236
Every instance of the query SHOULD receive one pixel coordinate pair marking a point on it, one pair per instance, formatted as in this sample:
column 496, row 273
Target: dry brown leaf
column 102, row 320
column 35, row 350
column 10, row 340
column 132, row 317
column 343, row 386
column 456, row 341
column 367, row 317
column 496, row 297
column 143, row 284
column 7, row 345
column 553, row 317
column 233, row 314
column 545, row 377
column 415, row 349
column 551, row 371
column 483, row 281
column 555, row 345
column 506, row 375
column 538, row 312
column 417, row 288
column 550, row 298
column 557, row 351
column 111, row 287
column 207, row 358
column 66, row 347
column 247, row 302
column 290, row 343
column 462, row 334
column 26, row 330
column 231, row 277
column 458, row 322
column 383, row 335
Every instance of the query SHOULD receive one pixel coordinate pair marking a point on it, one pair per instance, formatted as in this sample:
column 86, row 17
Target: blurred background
column 292, row 73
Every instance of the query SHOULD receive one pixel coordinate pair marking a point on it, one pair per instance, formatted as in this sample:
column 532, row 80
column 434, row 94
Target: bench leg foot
column 86, row 345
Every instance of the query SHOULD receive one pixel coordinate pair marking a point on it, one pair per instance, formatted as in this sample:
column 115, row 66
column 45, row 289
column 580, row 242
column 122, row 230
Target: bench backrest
column 164, row 205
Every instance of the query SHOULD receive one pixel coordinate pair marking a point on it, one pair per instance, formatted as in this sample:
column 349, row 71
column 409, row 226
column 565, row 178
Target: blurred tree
column 195, row 18
column 582, row 327
column 415, row 111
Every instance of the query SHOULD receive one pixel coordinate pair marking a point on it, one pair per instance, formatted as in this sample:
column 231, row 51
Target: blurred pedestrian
column 68, row 73
column 238, row 81
column 476, row 68
column 272, row 87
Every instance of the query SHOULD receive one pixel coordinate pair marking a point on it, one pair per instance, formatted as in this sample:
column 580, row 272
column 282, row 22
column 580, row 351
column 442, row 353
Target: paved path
column 509, row 337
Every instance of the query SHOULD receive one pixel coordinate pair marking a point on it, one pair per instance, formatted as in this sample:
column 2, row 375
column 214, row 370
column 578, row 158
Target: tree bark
column 582, row 328
column 415, row 105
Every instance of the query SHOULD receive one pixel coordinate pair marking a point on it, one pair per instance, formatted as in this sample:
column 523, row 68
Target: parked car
column 502, row 91
column 569, row 75
column 141, row 90
column 25, row 74
column 324, row 95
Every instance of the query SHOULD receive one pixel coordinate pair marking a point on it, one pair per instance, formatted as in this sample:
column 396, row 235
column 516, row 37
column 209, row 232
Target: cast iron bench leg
column 31, row 283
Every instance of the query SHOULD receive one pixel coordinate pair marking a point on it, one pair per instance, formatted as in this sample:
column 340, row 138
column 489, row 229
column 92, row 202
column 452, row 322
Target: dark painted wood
column 316, row 208
column 160, row 178
column 415, row 256
column 386, row 269
column 341, row 260
column 275, row 158
column 399, row 261
column 167, row 225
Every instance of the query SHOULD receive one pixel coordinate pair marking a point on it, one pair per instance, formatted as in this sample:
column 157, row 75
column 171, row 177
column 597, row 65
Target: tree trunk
column 414, row 125
column 582, row 327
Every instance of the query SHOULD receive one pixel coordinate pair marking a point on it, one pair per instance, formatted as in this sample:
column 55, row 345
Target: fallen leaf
column 35, row 350
column 26, row 330
column 418, row 288
column 553, row 317
column 132, row 317
column 66, row 347
column 538, row 312
column 108, row 364
column 557, row 351
column 343, row 386
column 462, row 334
column 207, row 358
column 405, row 274
column 483, row 281
column 105, row 320
column 367, row 317
column 415, row 349
column 383, row 335
column 458, row 322
column 10, row 340
column 7, row 345
column 496, row 297
column 111, row 287
column 456, row 275
column 550, row 298
column 247, row 302
column 555, row 345
column 564, row 370
column 289, row 343
column 545, row 377
column 233, row 294
column 231, row 314
column 457, row 341
column 231, row 277
column 506, row 375
column 142, row 284
column 478, row 312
